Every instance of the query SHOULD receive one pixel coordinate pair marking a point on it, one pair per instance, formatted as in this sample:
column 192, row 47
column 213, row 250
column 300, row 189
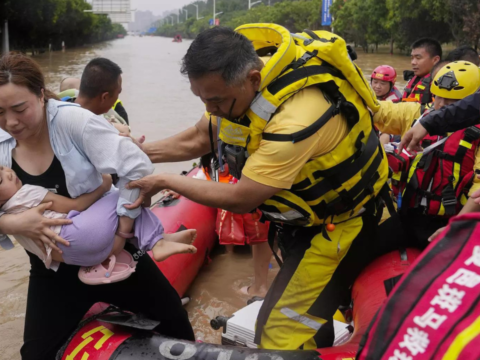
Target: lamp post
column 198, row 18
column 214, row 13
column 250, row 4
column 5, row 43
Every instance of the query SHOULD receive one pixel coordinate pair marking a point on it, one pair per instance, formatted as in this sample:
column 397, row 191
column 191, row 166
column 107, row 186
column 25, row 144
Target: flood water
column 159, row 103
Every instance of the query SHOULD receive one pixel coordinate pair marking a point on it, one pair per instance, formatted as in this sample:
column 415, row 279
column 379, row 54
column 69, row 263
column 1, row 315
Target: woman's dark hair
column 21, row 70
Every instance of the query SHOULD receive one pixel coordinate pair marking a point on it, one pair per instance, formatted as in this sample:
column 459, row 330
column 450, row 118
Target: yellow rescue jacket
column 116, row 103
column 332, row 187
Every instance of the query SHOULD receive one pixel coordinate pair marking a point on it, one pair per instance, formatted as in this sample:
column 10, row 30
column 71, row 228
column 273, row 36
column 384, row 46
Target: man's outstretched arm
column 460, row 115
column 240, row 198
column 187, row 145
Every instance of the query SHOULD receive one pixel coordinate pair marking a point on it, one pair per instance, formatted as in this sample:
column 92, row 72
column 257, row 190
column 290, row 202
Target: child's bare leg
column 172, row 244
column 118, row 245
column 184, row 237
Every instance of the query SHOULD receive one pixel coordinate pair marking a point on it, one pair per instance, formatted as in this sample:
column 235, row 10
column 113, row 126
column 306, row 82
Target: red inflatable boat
column 369, row 292
column 177, row 38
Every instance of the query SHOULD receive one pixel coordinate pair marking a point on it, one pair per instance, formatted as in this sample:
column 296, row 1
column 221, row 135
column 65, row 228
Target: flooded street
column 159, row 104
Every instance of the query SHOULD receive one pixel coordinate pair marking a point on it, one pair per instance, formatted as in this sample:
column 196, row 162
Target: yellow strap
column 397, row 176
column 462, row 340
column 465, row 144
column 456, row 174
column 116, row 103
column 457, row 167
column 441, row 210
column 414, row 166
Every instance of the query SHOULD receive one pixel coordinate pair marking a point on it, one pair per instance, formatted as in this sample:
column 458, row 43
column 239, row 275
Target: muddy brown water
column 159, row 103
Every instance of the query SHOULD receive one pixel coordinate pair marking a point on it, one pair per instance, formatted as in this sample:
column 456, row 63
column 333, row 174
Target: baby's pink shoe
column 99, row 274
column 126, row 258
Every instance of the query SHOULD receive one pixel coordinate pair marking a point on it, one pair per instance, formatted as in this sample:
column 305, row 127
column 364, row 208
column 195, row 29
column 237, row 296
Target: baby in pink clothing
column 92, row 235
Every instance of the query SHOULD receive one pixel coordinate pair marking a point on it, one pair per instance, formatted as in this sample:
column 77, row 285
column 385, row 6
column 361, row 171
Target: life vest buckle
column 449, row 202
column 337, row 109
column 352, row 53
column 308, row 42
column 472, row 133
column 449, row 198
column 304, row 59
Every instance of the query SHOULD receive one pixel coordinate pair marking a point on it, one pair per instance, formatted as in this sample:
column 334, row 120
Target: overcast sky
column 158, row 6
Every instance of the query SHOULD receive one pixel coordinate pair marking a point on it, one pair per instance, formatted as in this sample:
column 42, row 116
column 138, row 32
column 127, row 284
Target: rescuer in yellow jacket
column 289, row 114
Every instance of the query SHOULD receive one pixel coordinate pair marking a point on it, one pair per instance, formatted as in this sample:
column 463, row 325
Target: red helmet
column 385, row 73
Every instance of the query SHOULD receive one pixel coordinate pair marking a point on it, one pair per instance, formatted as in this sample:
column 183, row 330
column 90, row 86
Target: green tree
column 296, row 15
column 364, row 22
column 471, row 24
column 352, row 21
column 380, row 29
column 34, row 24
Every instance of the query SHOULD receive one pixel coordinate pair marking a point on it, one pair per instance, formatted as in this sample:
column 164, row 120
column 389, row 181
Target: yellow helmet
column 456, row 80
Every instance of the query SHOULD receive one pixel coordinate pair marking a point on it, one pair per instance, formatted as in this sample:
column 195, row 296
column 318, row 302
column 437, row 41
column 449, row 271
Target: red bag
column 230, row 228
column 433, row 312
column 238, row 229
column 255, row 231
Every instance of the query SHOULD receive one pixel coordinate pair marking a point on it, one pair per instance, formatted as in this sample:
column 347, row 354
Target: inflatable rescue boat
column 177, row 38
column 108, row 333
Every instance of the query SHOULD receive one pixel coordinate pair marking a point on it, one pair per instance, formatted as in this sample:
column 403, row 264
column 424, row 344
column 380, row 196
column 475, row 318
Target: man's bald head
column 70, row 83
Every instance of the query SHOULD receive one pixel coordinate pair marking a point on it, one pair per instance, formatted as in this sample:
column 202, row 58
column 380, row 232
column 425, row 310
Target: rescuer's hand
column 411, row 140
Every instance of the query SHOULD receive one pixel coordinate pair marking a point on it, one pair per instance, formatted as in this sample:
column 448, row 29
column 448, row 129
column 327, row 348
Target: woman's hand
column 107, row 182
column 149, row 186
column 36, row 227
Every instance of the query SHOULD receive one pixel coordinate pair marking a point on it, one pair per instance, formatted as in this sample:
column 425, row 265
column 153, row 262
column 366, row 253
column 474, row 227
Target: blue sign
column 151, row 30
column 210, row 22
column 326, row 16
